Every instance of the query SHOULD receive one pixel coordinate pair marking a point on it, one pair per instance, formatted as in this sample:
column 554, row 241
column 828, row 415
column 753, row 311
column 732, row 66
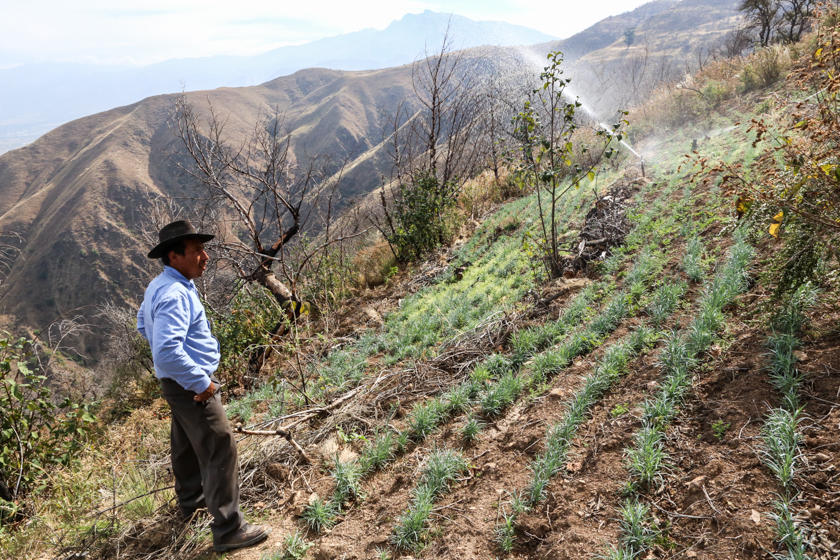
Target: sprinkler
column 626, row 145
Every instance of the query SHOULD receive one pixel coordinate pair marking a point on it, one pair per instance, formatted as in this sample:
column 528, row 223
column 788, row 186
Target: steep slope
column 656, row 43
column 78, row 195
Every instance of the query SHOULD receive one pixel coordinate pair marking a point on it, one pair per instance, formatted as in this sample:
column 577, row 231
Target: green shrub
column 423, row 216
column 243, row 328
column 764, row 68
column 34, row 432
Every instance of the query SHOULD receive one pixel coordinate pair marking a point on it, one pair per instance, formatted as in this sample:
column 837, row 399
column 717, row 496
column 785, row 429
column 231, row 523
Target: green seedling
column 506, row 533
column 719, row 429
column 470, row 430
column 619, row 410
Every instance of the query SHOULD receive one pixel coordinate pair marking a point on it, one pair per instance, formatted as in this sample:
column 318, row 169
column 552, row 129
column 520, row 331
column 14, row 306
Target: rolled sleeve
column 171, row 324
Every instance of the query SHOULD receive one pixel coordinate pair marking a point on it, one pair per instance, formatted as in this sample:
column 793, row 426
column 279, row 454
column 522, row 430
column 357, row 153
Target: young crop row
column 496, row 277
column 441, row 468
column 781, row 435
column 560, row 436
column 646, row 456
column 494, row 385
column 509, row 384
column 425, row 417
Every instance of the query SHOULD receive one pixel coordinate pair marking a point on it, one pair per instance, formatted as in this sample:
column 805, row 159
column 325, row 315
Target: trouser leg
column 211, row 440
column 185, row 467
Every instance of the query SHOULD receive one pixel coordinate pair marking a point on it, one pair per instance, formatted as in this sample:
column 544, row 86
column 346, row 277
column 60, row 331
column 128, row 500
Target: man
column 186, row 355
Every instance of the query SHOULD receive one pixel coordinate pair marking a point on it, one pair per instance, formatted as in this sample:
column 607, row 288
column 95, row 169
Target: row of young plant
column 781, row 436
column 656, row 222
column 494, row 385
column 681, row 354
column 496, row 378
column 559, row 437
column 441, row 468
column 549, row 363
column 494, row 273
column 495, row 278
column 508, row 384
column 426, row 417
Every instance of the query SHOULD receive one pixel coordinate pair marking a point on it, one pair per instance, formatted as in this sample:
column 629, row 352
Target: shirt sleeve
column 172, row 321
column 140, row 322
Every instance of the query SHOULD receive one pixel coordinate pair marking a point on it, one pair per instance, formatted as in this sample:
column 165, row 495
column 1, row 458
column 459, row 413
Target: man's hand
column 208, row 392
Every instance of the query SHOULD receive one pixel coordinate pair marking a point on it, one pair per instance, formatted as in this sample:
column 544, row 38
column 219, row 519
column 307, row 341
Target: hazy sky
column 146, row 31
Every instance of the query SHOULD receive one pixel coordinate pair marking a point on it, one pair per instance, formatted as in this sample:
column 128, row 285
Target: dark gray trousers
column 204, row 458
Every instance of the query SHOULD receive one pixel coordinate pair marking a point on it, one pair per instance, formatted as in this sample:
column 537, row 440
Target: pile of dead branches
column 605, row 226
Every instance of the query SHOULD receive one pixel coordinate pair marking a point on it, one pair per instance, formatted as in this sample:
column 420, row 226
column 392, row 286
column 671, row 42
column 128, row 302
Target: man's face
column 193, row 262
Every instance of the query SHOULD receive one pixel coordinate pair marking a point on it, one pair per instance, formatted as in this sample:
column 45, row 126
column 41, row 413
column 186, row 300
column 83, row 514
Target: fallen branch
column 278, row 432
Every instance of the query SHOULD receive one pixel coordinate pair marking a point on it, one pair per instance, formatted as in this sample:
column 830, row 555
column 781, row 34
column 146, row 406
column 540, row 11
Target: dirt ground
column 714, row 499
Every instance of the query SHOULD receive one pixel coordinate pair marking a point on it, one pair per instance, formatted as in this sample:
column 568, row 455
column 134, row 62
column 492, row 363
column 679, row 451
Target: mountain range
column 77, row 199
column 38, row 97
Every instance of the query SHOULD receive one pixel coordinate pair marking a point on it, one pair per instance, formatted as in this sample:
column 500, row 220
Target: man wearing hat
column 186, row 355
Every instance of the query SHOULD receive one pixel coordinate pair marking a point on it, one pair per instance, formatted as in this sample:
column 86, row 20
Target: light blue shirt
column 172, row 319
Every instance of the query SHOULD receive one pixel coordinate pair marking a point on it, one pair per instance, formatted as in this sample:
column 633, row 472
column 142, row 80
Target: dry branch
column 278, row 432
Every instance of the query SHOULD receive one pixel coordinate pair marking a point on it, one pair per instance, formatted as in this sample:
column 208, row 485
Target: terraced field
column 612, row 416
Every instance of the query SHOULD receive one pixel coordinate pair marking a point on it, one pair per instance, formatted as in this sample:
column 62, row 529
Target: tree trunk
column 281, row 292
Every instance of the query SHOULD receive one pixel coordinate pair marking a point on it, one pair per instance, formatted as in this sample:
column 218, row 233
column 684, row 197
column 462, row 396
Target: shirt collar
column 177, row 276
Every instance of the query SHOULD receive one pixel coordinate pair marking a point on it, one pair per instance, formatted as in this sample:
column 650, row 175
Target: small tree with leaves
column 550, row 160
column 433, row 150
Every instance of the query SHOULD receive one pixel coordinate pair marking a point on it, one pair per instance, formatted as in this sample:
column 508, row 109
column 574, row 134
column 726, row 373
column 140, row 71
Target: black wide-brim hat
column 174, row 232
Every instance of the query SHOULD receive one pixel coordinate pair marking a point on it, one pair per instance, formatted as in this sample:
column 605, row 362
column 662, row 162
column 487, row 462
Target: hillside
column 674, row 397
column 78, row 195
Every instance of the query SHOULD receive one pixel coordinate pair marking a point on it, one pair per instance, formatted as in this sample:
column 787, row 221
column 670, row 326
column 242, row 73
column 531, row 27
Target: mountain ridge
column 46, row 94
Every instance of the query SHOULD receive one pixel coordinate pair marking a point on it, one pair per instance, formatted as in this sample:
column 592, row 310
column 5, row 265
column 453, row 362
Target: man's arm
column 141, row 322
column 172, row 321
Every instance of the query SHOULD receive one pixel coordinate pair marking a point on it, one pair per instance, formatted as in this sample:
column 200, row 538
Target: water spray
column 626, row 145
column 534, row 60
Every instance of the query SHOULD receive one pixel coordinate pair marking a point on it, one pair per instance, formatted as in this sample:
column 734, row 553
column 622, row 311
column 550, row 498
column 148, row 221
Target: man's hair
column 179, row 247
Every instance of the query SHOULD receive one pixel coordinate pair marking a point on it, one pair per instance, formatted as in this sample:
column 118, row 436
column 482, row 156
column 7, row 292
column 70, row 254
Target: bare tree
column 269, row 196
column 795, row 19
column 736, row 42
column 432, row 151
column 763, row 17
column 499, row 101
column 439, row 134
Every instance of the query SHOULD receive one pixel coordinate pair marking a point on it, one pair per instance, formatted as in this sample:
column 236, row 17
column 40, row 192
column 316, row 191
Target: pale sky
column 148, row 31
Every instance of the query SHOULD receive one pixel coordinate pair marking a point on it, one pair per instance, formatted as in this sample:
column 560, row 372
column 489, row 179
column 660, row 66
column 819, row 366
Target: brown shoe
column 246, row 535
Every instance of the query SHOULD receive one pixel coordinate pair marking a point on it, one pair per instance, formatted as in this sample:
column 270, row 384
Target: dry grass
column 697, row 95
column 373, row 264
